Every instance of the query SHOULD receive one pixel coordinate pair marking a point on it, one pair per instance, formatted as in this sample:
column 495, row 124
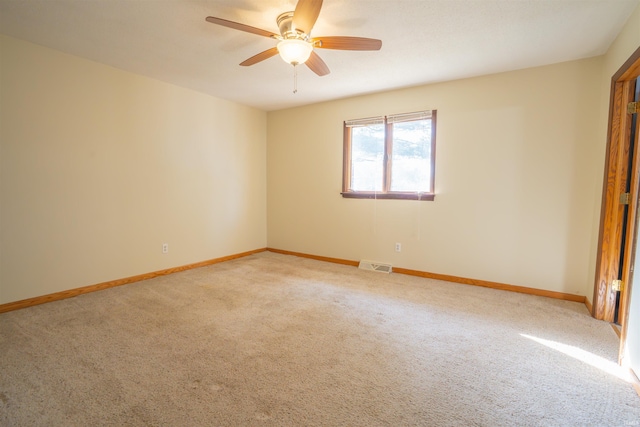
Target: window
column 390, row 157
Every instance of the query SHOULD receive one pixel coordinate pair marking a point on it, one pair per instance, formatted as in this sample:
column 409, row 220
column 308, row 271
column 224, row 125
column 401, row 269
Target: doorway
column 620, row 199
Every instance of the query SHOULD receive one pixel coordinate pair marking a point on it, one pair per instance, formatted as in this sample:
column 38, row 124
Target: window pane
column 411, row 156
column 367, row 156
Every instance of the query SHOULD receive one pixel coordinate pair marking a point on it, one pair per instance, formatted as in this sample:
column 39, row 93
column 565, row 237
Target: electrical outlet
column 398, row 247
column 165, row 248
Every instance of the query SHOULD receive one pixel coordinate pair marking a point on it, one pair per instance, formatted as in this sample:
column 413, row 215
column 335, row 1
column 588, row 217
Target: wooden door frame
column 615, row 181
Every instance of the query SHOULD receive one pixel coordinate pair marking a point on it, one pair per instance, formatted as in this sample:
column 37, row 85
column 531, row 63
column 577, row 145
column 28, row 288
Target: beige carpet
column 275, row 340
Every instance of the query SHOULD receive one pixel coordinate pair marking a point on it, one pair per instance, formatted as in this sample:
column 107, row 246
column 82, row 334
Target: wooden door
column 621, row 176
column 623, row 133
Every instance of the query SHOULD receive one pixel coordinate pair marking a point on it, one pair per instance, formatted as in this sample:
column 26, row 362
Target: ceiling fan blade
column 347, row 43
column 317, row 65
column 241, row 27
column 260, row 57
column 306, row 14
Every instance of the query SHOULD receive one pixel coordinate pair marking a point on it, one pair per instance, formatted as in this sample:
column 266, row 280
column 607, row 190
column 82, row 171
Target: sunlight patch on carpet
column 586, row 357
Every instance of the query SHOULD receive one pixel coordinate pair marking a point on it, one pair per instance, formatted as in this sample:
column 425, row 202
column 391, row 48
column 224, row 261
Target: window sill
column 424, row 197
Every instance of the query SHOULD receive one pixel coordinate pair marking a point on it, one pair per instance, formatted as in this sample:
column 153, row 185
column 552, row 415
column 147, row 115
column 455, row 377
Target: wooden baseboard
column 493, row 285
column 448, row 278
column 635, row 382
column 119, row 282
column 316, row 257
column 616, row 329
column 113, row 283
column 589, row 306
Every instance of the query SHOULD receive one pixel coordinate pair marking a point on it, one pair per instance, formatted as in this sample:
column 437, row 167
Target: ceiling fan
column 296, row 46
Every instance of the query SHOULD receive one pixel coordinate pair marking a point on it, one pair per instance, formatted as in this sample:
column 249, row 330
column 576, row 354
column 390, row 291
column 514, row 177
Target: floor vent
column 375, row 266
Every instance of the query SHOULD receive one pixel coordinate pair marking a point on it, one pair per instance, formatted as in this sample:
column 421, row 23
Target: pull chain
column 295, row 78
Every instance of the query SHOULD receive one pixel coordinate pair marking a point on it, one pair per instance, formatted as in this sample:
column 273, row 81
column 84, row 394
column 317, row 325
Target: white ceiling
column 423, row 41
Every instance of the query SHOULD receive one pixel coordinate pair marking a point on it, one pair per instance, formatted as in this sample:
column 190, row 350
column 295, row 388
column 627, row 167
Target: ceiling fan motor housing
column 285, row 25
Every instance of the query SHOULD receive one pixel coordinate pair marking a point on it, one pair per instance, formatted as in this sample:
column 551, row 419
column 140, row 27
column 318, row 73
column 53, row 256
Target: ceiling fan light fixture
column 295, row 51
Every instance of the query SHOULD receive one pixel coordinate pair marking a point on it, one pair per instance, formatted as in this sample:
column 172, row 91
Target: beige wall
column 99, row 167
column 514, row 180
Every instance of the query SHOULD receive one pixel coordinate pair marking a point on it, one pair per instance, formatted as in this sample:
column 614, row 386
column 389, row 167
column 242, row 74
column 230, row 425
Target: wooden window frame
column 387, row 165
